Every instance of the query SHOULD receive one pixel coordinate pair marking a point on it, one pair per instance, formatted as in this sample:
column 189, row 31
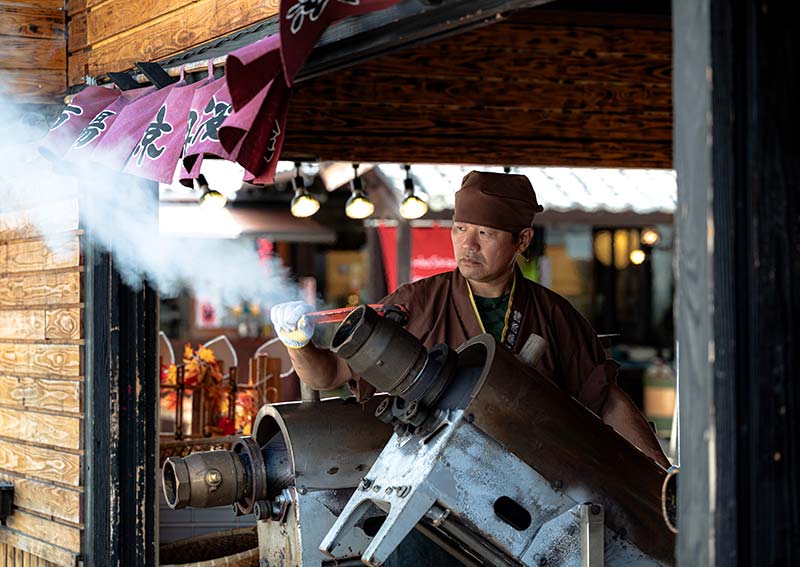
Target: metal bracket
column 592, row 535
column 124, row 81
column 155, row 74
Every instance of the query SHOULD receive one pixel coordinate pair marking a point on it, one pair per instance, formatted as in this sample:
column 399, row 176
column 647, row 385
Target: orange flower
column 206, row 354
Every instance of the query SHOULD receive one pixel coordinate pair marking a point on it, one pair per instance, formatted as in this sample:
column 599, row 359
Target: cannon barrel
column 219, row 478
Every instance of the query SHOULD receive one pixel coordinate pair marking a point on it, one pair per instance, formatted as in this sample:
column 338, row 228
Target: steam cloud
column 118, row 214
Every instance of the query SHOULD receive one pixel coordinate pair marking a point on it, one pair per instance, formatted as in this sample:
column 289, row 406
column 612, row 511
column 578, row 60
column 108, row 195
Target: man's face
column 483, row 254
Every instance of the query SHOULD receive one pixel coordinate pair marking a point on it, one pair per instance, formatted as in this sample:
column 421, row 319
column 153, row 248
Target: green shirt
column 492, row 311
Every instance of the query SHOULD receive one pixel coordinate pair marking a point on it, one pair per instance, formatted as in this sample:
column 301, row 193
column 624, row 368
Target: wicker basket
column 231, row 548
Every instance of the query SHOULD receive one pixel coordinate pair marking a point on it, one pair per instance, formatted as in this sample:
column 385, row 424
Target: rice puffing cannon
column 472, row 447
column 494, row 462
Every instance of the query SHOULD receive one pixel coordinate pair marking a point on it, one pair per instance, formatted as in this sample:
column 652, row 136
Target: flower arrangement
column 202, row 373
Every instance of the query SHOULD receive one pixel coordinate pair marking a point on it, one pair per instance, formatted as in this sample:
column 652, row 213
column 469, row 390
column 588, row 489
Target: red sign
column 431, row 253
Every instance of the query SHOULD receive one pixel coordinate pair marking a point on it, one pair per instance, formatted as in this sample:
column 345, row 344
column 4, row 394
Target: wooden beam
column 373, row 83
column 357, row 119
column 448, row 60
column 489, row 151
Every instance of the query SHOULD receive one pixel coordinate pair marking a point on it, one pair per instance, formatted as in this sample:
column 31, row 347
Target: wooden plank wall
column 41, row 391
column 111, row 35
column 542, row 88
column 33, row 57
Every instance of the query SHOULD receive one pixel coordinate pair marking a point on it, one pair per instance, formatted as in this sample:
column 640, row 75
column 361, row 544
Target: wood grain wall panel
column 56, row 533
column 114, row 17
column 168, row 34
column 20, row 558
column 34, row 86
column 40, row 463
column 63, row 324
column 75, row 6
column 37, row 255
column 32, row 53
column 31, row 22
column 33, row 56
column 41, row 388
column 56, row 5
column 46, row 429
column 31, row 290
column 19, row 224
column 77, row 38
column 34, row 551
column 62, row 396
column 24, row 324
column 46, row 499
column 40, row 360
column 77, row 67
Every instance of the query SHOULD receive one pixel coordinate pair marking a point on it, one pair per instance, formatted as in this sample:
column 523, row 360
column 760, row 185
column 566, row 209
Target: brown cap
column 503, row 201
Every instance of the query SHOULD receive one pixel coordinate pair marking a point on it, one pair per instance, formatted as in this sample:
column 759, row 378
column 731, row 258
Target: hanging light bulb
column 412, row 206
column 210, row 198
column 358, row 206
column 637, row 256
column 650, row 236
column 303, row 205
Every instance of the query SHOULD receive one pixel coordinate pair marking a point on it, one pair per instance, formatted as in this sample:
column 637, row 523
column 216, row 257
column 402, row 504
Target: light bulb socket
column 299, row 182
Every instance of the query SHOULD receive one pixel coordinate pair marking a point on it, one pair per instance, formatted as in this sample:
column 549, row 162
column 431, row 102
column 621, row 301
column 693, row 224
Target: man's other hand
column 293, row 329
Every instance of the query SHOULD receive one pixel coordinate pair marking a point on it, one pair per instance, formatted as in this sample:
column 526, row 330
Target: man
column 492, row 225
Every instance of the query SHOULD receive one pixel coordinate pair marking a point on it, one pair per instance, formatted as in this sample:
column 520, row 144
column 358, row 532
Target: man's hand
column 294, row 330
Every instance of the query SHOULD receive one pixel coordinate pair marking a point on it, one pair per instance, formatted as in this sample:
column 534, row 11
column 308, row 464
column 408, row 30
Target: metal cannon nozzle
column 242, row 476
column 204, row 480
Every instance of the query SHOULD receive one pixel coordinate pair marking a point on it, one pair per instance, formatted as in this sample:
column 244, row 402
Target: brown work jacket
column 442, row 310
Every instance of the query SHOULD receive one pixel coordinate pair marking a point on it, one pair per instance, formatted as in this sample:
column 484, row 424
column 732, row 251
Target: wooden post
column 736, row 87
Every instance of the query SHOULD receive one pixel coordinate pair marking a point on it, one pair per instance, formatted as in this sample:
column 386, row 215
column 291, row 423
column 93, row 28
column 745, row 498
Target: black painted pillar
column 121, row 396
column 736, row 92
